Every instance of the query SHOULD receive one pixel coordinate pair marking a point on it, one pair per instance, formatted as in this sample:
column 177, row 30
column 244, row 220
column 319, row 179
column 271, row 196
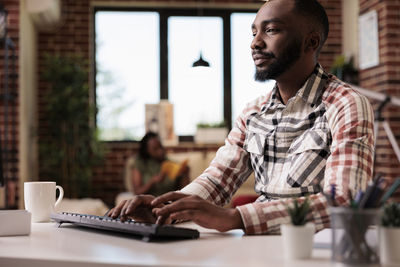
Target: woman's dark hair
column 143, row 145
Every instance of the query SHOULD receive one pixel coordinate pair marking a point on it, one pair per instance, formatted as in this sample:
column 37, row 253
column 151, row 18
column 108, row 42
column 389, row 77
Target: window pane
column 244, row 87
column 197, row 93
column 127, row 58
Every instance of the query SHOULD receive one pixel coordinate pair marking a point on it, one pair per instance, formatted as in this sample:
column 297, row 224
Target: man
column 312, row 131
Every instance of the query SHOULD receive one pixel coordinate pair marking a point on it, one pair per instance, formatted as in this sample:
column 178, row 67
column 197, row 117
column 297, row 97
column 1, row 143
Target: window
column 197, row 93
column 143, row 56
column 127, row 63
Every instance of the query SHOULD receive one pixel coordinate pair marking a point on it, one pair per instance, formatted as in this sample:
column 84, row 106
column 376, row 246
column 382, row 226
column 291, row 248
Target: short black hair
column 143, row 153
column 315, row 12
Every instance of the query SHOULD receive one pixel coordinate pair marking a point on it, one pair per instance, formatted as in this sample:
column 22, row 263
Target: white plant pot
column 210, row 135
column 389, row 239
column 298, row 240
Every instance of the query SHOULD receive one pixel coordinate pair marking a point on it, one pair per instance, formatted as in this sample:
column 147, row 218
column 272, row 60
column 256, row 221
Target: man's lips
column 260, row 59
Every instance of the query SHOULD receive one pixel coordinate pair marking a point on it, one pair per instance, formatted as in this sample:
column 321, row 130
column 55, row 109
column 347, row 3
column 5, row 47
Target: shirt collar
column 314, row 87
column 310, row 92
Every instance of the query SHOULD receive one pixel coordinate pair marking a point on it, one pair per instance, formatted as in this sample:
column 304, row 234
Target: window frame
column 164, row 14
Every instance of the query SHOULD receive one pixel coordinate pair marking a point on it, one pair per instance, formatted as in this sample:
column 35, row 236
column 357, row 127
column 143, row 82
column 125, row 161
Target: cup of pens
column 355, row 235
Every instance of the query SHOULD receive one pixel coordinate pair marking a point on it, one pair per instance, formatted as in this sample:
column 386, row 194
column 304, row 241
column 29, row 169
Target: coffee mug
column 40, row 199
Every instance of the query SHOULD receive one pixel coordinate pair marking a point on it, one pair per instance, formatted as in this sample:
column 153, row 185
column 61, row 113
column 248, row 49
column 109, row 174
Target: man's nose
column 258, row 42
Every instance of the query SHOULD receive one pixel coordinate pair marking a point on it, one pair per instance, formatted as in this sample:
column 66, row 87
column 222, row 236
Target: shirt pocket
column 307, row 158
column 255, row 145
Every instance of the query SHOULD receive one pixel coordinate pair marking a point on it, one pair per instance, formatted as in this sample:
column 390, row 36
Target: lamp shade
column 201, row 62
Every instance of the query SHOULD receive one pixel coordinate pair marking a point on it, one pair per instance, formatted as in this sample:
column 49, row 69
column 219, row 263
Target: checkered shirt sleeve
column 231, row 166
column 348, row 166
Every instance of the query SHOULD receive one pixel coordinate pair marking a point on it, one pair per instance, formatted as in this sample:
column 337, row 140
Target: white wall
column 27, row 101
column 350, row 11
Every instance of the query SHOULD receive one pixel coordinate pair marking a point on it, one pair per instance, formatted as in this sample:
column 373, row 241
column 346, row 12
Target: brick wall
column 9, row 122
column 385, row 78
column 69, row 37
column 333, row 45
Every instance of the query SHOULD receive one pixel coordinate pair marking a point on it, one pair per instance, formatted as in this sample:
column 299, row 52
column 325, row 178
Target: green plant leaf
column 212, row 125
column 298, row 213
column 69, row 147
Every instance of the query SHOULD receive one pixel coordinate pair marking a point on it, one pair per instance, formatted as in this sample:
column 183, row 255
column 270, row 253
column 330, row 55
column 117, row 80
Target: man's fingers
column 184, row 204
column 133, row 204
column 184, row 215
column 170, row 196
column 115, row 212
column 109, row 212
column 124, row 208
column 131, row 207
column 161, row 220
column 164, row 214
column 155, row 210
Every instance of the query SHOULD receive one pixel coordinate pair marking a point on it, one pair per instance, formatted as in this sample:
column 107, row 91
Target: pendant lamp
column 200, row 62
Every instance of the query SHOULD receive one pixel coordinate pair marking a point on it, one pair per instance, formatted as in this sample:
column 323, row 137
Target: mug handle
column 60, row 197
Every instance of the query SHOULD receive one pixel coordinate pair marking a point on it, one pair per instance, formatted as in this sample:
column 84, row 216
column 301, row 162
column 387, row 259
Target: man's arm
column 349, row 166
column 184, row 207
column 217, row 184
column 231, row 166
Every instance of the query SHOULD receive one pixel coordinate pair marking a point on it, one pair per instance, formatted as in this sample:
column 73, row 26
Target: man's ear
column 313, row 41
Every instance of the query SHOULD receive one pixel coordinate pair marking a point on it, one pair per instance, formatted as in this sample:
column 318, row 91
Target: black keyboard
column 147, row 231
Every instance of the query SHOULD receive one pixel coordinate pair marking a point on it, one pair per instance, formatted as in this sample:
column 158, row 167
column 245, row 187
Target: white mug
column 40, row 199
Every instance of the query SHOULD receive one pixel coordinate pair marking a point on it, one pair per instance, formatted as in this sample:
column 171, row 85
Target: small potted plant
column 298, row 236
column 390, row 234
column 211, row 133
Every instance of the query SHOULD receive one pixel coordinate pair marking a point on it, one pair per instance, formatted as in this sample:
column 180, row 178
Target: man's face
column 279, row 63
column 277, row 42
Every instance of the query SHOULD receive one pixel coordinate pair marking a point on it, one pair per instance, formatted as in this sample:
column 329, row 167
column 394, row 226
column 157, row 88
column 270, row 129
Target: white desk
column 48, row 245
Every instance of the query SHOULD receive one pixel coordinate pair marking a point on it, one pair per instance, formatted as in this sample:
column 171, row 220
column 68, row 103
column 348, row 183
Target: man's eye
column 271, row 30
column 254, row 34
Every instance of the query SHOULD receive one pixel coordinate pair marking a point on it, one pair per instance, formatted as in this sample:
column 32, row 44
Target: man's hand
column 196, row 209
column 137, row 208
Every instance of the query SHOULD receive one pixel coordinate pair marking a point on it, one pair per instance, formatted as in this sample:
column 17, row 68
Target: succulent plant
column 391, row 215
column 299, row 211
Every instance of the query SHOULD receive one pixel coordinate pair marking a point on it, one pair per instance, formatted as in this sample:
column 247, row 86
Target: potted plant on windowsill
column 211, row 133
column 390, row 234
column 298, row 236
column 343, row 68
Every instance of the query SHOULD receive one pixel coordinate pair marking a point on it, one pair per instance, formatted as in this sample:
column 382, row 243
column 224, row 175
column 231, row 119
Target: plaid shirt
column 322, row 136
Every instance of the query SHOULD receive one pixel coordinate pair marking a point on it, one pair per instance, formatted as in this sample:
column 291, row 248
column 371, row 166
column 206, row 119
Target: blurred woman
column 145, row 174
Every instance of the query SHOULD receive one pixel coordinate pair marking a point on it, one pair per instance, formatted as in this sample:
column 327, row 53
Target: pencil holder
column 355, row 235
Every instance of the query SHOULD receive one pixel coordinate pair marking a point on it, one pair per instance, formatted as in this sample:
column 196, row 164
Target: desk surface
column 48, row 245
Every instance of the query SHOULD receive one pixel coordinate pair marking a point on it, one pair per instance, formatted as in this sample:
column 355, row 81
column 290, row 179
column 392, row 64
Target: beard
column 287, row 58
